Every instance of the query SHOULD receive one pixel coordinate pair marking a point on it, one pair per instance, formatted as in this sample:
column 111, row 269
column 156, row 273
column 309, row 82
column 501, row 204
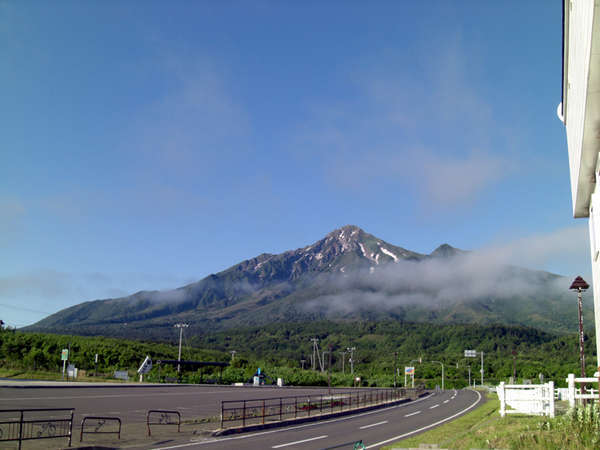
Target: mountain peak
column 346, row 233
column 446, row 251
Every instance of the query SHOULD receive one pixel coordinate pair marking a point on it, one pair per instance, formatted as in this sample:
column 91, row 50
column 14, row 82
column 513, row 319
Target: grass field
column 484, row 428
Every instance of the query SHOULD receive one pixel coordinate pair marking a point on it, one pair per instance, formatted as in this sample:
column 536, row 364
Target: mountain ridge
column 349, row 274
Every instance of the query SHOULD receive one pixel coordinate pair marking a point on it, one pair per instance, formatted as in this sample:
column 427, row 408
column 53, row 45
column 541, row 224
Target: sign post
column 473, row 354
column 409, row 370
column 145, row 367
column 64, row 356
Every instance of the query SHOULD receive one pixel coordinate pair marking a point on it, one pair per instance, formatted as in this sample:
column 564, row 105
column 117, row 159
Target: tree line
column 382, row 350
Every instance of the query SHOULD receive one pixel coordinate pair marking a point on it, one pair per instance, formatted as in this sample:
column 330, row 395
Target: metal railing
column 236, row 413
column 31, row 424
column 164, row 419
column 99, row 426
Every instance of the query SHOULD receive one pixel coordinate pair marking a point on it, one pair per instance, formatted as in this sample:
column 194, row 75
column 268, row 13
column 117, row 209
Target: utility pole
column 329, row 371
column 395, row 365
column 481, row 369
column 181, row 326
column 343, row 360
column 351, row 351
column 69, row 361
column 315, row 352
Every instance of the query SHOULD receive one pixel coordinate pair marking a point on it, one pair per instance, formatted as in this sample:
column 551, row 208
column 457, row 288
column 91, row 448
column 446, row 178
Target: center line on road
column 412, row 414
column 434, row 406
column 300, row 442
column 372, row 425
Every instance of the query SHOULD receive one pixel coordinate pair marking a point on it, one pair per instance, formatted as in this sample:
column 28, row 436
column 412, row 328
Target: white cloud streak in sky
column 430, row 136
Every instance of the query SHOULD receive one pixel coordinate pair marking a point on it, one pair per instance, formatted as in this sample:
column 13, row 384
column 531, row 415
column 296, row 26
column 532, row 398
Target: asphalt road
column 131, row 403
column 374, row 428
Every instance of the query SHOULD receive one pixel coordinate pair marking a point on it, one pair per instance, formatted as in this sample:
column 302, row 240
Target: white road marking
column 434, row 406
column 281, row 430
column 446, row 401
column 372, row 425
column 300, row 442
column 412, row 414
column 402, row 436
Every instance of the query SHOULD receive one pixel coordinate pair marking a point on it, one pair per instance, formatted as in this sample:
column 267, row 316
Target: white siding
column 579, row 43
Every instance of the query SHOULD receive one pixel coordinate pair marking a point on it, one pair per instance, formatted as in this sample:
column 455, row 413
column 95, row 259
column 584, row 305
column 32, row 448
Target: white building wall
column 594, row 229
column 580, row 114
column 577, row 61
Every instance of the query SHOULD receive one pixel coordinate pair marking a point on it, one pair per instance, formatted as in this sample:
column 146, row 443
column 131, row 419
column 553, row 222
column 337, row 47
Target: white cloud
column 487, row 273
column 194, row 124
column 428, row 135
column 30, row 296
column 449, row 181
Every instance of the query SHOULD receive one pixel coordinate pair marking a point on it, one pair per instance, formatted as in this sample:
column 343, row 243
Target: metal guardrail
column 21, row 428
column 236, row 413
column 165, row 419
column 101, row 421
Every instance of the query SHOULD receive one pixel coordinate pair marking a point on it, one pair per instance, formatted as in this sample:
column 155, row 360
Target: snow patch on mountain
column 387, row 252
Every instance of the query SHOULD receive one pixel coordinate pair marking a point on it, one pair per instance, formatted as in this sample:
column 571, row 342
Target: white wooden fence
column 538, row 399
column 533, row 399
column 575, row 394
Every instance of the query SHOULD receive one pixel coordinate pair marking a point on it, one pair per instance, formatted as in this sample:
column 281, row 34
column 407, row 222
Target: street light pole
column 181, row 326
column 469, row 375
column 439, row 362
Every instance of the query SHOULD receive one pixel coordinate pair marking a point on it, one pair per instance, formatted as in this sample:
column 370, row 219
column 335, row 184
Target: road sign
column 64, row 356
column 470, row 353
column 409, row 370
column 146, row 366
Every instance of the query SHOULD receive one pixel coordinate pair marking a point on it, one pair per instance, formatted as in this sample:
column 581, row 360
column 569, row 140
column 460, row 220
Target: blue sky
column 144, row 145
